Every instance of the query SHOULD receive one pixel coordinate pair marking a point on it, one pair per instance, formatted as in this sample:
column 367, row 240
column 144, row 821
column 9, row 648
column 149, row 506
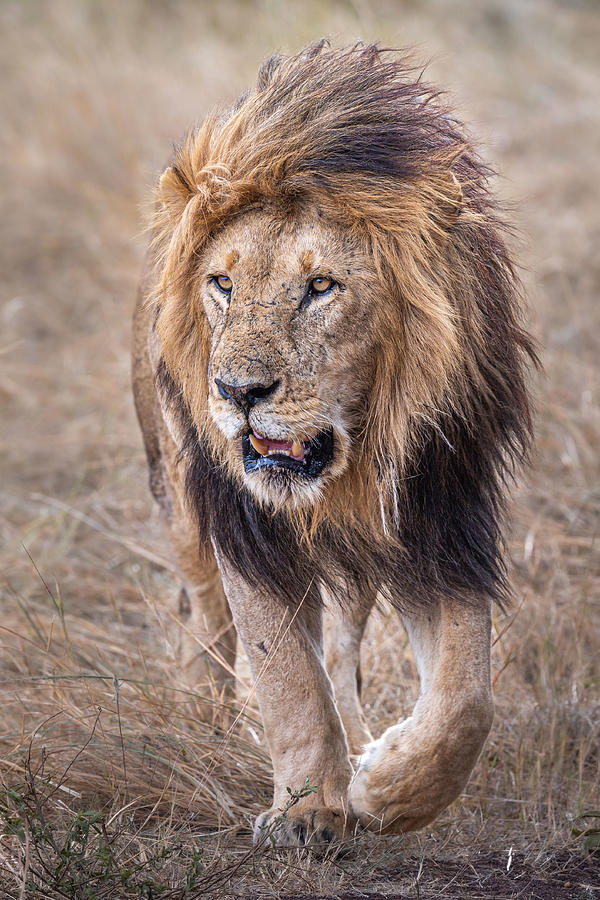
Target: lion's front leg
column 303, row 729
column 416, row 768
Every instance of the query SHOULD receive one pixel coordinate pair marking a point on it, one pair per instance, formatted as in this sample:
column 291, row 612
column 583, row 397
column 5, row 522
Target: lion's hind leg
column 343, row 629
column 416, row 768
column 206, row 636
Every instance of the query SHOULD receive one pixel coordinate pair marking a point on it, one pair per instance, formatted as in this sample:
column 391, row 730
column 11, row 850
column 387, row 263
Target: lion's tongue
column 265, row 446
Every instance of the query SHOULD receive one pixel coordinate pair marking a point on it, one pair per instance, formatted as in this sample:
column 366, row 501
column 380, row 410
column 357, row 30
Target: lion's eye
column 223, row 282
column 321, row 285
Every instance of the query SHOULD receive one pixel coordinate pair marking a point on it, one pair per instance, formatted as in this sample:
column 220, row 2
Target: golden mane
column 357, row 132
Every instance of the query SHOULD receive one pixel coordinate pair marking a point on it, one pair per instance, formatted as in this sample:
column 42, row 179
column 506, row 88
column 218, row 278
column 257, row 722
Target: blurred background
column 94, row 94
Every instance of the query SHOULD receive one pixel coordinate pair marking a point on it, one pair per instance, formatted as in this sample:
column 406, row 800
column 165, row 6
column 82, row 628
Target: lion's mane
column 357, row 132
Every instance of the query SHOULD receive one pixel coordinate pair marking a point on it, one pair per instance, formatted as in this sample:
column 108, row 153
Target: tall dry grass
column 93, row 721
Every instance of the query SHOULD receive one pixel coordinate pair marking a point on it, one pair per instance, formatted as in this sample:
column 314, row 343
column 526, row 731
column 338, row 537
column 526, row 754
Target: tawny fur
column 343, row 165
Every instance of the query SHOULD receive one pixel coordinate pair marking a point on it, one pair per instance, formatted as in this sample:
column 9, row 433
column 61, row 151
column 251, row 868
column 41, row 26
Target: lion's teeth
column 260, row 446
column 265, row 448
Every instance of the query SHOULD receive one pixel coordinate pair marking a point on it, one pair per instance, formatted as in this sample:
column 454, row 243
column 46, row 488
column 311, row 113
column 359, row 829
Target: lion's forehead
column 260, row 246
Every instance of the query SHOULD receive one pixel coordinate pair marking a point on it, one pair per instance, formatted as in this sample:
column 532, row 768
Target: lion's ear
column 451, row 199
column 173, row 189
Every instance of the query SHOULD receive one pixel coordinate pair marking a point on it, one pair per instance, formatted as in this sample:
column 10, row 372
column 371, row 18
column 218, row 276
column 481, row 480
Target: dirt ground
column 110, row 787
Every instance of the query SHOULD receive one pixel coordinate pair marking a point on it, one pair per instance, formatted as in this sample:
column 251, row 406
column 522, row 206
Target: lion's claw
column 311, row 827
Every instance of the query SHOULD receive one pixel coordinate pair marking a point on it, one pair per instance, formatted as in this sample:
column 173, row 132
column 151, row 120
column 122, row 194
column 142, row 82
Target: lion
column 330, row 373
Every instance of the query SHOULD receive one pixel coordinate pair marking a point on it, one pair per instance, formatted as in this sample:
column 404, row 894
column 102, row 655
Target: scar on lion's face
column 289, row 306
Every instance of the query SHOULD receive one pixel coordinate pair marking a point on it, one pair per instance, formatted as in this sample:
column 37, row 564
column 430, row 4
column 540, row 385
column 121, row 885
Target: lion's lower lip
column 317, row 454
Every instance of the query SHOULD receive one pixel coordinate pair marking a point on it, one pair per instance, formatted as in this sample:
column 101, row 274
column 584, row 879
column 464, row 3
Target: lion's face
column 288, row 302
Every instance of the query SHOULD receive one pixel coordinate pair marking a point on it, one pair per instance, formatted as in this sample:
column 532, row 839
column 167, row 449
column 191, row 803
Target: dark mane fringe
column 448, row 540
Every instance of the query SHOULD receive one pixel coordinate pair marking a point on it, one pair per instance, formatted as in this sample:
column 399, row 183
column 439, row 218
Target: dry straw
column 111, row 786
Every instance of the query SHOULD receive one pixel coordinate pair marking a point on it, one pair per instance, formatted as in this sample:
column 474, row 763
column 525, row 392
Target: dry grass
column 111, row 787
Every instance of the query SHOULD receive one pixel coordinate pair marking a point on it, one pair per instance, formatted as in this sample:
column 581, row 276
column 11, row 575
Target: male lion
column 329, row 376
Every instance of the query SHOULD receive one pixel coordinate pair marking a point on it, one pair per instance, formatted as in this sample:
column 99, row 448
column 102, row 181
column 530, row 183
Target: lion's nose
column 245, row 396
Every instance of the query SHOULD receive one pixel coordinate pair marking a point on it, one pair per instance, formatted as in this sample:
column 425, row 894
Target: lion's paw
column 314, row 827
column 410, row 774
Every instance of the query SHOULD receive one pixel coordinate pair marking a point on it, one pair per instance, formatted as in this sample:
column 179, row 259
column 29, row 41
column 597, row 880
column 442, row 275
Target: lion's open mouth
column 307, row 458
